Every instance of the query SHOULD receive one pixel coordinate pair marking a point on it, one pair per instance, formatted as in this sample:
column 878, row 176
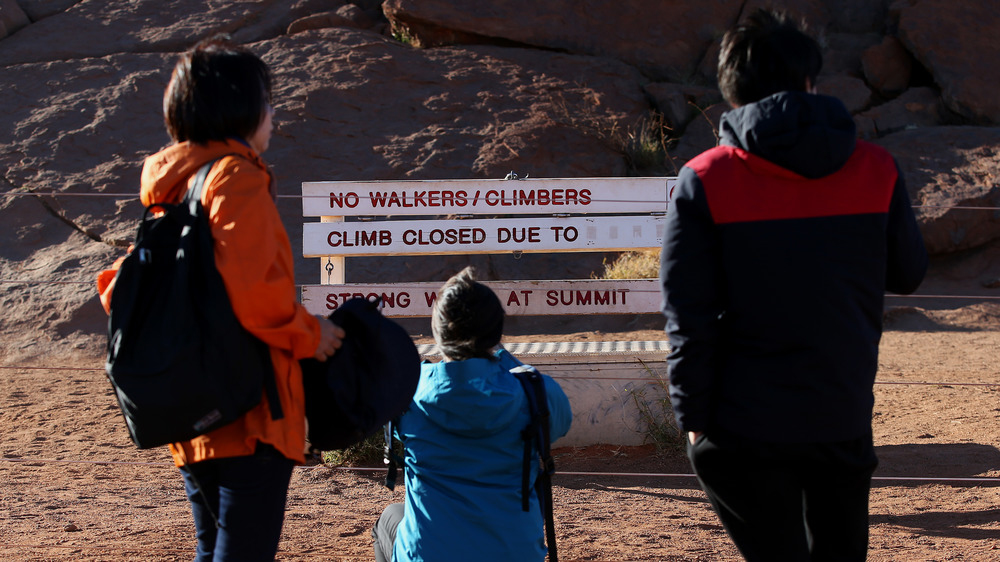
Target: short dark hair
column 769, row 52
column 468, row 318
column 218, row 90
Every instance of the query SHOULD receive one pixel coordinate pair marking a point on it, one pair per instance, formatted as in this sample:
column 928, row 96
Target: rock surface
column 940, row 35
column 545, row 89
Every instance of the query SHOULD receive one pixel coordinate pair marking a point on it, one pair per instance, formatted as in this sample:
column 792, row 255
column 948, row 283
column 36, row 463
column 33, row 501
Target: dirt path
column 72, row 487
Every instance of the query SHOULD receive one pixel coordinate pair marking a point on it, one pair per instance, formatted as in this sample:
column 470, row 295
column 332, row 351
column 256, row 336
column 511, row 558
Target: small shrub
column 644, row 142
column 369, row 452
column 657, row 415
column 402, row 35
column 641, row 264
column 644, row 146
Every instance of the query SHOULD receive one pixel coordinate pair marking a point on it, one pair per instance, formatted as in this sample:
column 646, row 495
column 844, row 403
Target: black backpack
column 180, row 362
column 370, row 380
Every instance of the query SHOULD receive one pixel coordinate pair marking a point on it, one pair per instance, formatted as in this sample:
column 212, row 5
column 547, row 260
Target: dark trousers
column 384, row 532
column 789, row 502
column 246, row 496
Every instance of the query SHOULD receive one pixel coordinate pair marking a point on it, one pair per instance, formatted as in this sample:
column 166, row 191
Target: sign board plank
column 482, row 236
column 583, row 296
column 471, row 197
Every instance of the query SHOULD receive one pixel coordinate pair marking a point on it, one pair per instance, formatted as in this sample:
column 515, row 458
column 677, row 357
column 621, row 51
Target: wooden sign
column 482, row 236
column 586, row 296
column 465, row 197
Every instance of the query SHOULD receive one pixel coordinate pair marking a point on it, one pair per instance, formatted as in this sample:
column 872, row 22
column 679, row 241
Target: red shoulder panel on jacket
column 741, row 187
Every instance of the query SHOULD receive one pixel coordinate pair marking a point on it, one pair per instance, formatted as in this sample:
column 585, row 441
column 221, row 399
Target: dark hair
column 468, row 318
column 769, row 52
column 218, row 90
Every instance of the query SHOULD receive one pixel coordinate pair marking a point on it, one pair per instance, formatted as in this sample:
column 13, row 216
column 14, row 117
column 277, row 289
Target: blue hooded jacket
column 463, row 457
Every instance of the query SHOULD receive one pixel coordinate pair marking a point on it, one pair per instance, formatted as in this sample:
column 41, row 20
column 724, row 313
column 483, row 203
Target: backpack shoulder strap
column 537, row 434
column 193, row 200
column 390, row 457
column 197, row 186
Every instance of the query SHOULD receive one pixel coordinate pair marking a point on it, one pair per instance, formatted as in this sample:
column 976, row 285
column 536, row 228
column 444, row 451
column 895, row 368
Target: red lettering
column 450, row 236
column 377, row 198
column 504, row 201
column 569, row 233
column 390, row 299
column 570, row 297
column 519, row 235
column 341, row 200
column 360, row 238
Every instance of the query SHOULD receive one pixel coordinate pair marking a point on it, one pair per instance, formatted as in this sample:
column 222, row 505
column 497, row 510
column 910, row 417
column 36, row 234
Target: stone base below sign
column 613, row 387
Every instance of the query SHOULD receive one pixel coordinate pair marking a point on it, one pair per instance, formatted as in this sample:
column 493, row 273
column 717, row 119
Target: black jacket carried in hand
column 779, row 247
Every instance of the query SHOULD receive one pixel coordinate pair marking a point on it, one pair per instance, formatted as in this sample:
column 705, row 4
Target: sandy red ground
column 72, row 486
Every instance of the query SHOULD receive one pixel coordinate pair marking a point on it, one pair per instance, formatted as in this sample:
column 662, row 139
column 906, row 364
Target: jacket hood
column 473, row 398
column 809, row 134
column 165, row 174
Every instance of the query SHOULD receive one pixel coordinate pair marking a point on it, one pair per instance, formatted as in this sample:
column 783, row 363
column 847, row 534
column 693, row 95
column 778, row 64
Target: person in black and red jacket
column 779, row 246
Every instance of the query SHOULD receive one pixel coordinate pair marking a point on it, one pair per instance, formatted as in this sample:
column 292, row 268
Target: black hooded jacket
column 779, row 246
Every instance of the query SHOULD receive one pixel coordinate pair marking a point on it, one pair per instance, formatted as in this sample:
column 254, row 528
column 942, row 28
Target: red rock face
column 545, row 89
column 938, row 34
column 665, row 40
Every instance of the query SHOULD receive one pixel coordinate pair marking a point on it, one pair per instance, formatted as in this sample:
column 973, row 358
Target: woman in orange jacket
column 217, row 106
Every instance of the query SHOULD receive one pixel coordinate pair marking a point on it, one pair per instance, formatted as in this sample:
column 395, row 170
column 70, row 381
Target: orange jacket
column 253, row 254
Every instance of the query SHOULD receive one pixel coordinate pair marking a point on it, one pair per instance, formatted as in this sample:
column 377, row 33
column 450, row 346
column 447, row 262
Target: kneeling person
column 462, row 446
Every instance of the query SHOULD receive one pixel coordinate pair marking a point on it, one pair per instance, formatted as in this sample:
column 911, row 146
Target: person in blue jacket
column 462, row 446
column 779, row 246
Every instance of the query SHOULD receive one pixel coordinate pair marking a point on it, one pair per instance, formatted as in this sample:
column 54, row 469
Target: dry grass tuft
column 641, row 264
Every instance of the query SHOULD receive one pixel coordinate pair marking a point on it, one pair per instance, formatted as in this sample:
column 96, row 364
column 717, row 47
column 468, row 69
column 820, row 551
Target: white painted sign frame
column 520, row 298
column 470, row 197
column 482, row 236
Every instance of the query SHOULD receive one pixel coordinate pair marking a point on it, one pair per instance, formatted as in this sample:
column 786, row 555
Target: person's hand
column 694, row 435
column 330, row 339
